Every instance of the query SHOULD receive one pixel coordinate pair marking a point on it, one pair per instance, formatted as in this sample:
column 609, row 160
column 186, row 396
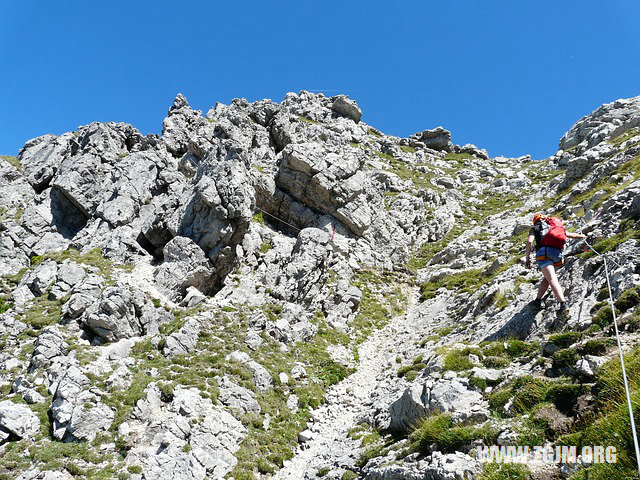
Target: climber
column 550, row 236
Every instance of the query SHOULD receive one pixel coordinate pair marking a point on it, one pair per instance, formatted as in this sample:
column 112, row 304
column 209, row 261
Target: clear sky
column 509, row 76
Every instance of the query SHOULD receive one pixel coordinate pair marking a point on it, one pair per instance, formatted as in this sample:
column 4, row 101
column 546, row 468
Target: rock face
column 121, row 312
column 161, row 431
column 607, row 121
column 443, row 396
column 17, row 420
column 271, row 288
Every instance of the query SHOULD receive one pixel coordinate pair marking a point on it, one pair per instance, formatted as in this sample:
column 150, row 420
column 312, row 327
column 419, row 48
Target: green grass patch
column 439, row 429
column 12, row 161
column 458, row 360
column 304, row 119
column 428, row 250
column 608, row 423
column 529, row 392
column 604, row 316
column 609, row 244
column 265, row 247
column 257, row 217
column 504, row 471
column 628, row 299
column 510, row 349
column 407, row 149
column 43, row 312
column 5, row 304
column 93, row 258
column 620, row 139
column 459, row 158
column 466, row 281
column 565, row 339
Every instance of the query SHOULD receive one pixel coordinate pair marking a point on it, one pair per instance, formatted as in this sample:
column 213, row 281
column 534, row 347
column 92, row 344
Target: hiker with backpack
column 550, row 236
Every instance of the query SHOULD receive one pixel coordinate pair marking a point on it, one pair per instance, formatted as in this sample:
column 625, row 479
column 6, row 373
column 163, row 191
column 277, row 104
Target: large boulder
column 306, row 270
column 326, row 182
column 18, row 420
column 40, row 157
column 185, row 265
column 49, row 344
column 346, row 107
column 438, row 138
column 184, row 340
column 122, row 312
column 77, row 411
column 159, row 433
column 180, row 124
column 236, row 397
column 216, row 212
column 406, row 412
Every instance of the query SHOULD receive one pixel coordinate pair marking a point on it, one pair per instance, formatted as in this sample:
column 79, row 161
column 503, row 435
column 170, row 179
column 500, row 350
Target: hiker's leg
column 549, row 273
column 542, row 288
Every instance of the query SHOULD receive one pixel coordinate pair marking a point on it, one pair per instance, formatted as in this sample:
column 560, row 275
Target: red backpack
column 552, row 233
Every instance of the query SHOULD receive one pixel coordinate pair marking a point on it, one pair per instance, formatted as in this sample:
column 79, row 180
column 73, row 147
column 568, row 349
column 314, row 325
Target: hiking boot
column 563, row 311
column 537, row 304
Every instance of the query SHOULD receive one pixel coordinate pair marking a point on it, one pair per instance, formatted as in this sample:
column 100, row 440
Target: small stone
column 304, row 436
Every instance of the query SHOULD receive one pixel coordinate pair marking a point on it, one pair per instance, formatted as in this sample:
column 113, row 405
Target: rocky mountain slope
column 278, row 290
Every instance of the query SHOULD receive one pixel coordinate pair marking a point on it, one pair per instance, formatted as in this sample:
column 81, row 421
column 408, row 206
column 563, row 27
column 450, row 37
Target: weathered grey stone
column 18, row 420
column 179, row 125
column 185, row 265
column 409, row 408
column 49, row 344
column 158, row 432
column 236, row 397
column 122, row 312
column 346, row 107
column 184, row 340
column 607, row 121
column 89, row 419
column 261, row 376
column 436, row 139
column 41, row 157
column 41, row 278
column 215, row 214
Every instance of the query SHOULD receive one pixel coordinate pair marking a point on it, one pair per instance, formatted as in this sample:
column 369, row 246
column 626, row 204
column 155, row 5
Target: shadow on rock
column 519, row 326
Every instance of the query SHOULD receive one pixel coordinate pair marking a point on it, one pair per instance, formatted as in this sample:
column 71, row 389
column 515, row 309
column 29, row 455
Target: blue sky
column 508, row 76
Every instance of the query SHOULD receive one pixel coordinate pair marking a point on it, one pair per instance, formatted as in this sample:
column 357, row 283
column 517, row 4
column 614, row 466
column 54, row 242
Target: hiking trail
column 350, row 400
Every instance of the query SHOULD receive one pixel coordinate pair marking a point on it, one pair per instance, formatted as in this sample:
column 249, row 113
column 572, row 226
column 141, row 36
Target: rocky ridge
column 279, row 289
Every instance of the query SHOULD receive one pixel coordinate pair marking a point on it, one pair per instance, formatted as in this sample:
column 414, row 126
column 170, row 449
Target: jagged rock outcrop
column 607, row 121
column 122, row 312
column 182, row 303
column 159, row 432
column 17, row 420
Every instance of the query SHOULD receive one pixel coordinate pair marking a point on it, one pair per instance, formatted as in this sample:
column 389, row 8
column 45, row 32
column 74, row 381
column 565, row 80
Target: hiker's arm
column 575, row 235
column 527, row 252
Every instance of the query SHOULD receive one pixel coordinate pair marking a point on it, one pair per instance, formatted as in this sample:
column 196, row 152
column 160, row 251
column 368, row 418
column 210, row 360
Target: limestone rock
column 159, row 431
column 122, row 312
column 184, row 340
column 436, row 139
column 18, row 419
column 347, row 108
column 409, row 408
column 236, row 397
column 185, row 265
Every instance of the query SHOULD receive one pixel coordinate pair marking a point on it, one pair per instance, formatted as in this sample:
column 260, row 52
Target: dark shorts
column 546, row 256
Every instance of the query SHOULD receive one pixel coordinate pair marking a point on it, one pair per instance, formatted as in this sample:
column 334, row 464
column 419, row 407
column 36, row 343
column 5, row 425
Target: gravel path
column 374, row 382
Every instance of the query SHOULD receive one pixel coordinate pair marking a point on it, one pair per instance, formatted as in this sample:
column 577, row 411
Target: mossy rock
column 565, row 359
column 628, row 299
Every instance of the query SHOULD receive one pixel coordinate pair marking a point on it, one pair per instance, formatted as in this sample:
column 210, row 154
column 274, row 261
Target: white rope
column 279, row 219
column 624, row 371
